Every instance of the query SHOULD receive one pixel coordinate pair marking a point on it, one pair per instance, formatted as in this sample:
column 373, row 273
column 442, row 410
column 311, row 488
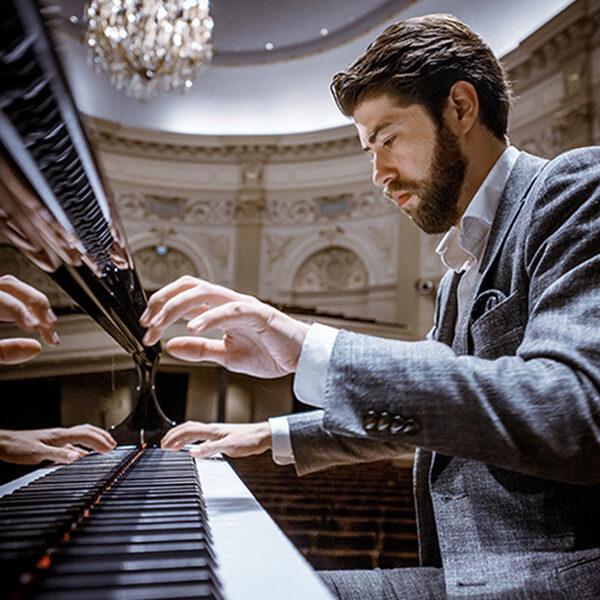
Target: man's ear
column 462, row 107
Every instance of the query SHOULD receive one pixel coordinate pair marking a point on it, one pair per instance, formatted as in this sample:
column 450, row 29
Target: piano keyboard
column 136, row 524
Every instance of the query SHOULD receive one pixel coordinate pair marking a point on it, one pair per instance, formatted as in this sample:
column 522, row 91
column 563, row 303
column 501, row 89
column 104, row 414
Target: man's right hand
column 233, row 439
column 258, row 339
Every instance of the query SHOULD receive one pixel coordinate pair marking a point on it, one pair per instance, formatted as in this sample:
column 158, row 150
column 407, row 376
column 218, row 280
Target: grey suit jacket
column 504, row 407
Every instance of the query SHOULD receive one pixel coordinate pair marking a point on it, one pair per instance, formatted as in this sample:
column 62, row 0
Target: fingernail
column 146, row 339
column 50, row 316
column 55, row 338
column 144, row 317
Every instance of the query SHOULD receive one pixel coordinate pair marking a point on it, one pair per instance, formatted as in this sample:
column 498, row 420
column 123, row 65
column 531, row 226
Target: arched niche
column 333, row 280
column 159, row 262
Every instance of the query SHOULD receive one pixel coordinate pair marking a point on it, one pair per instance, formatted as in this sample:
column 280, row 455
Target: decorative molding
column 143, row 206
column 564, row 131
column 293, row 211
column 156, row 271
column 332, row 269
column 576, row 29
column 119, row 139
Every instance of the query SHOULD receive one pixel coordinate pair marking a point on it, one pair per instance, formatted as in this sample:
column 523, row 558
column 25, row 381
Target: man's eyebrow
column 375, row 133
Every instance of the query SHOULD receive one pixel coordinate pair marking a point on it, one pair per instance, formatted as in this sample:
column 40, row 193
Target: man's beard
column 439, row 193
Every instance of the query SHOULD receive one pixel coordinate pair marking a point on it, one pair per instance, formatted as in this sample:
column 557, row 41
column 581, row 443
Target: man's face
column 420, row 165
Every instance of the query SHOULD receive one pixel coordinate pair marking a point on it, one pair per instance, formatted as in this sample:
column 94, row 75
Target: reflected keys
column 128, row 524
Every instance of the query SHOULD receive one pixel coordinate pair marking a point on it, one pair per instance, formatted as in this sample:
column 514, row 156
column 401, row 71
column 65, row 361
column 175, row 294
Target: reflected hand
column 258, row 339
column 30, row 309
column 233, row 439
column 30, row 447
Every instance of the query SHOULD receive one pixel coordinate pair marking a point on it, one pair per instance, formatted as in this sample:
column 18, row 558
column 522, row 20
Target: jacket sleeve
column 316, row 448
column 536, row 411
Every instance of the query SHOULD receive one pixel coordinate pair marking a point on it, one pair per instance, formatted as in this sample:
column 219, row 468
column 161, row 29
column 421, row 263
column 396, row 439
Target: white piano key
column 256, row 561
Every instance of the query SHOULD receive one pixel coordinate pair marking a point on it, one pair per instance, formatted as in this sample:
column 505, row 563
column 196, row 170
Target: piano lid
column 54, row 204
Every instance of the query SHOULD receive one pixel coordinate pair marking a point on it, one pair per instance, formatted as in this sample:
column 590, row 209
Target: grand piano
column 138, row 522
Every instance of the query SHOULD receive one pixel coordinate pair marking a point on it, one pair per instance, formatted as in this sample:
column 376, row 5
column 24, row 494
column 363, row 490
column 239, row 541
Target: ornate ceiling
column 274, row 61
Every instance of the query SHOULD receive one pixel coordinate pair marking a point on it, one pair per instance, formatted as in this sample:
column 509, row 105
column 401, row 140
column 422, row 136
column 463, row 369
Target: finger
column 90, row 436
column 18, row 350
column 14, row 310
column 159, row 298
column 233, row 315
column 208, row 449
column 194, row 349
column 188, row 433
column 30, row 296
column 49, row 334
column 63, row 456
column 80, row 451
column 190, row 303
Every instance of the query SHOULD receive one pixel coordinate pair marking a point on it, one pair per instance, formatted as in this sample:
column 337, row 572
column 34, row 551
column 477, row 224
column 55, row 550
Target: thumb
column 195, row 349
column 18, row 350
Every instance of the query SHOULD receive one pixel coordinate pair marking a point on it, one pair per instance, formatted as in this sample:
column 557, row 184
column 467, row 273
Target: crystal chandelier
column 149, row 46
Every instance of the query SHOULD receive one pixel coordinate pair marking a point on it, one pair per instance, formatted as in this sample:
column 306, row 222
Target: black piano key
column 124, row 578
column 180, row 591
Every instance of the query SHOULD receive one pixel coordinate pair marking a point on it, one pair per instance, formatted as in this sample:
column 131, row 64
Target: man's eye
column 389, row 141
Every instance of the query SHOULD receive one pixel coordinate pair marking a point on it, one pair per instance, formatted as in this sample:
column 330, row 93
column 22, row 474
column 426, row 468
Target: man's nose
column 383, row 173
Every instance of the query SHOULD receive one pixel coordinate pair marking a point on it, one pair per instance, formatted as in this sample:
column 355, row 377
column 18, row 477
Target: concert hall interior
column 253, row 180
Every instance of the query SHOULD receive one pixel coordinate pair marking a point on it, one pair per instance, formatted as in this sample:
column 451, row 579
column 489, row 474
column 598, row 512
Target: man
column 22, row 304
column 502, row 401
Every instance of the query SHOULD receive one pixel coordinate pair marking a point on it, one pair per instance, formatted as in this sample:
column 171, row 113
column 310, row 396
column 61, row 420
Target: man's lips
column 401, row 198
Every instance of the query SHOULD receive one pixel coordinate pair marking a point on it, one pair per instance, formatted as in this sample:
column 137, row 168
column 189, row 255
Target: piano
column 138, row 522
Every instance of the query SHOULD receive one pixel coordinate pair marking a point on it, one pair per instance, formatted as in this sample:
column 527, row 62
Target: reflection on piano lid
column 55, row 208
column 144, row 524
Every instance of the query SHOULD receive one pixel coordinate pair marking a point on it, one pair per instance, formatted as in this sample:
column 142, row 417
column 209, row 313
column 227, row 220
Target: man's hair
column 417, row 61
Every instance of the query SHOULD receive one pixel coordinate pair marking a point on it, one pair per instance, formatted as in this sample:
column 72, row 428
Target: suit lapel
column 522, row 177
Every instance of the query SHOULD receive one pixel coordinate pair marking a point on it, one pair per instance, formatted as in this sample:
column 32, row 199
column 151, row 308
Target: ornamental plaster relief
column 316, row 209
column 554, row 73
column 561, row 132
column 332, row 269
column 140, row 205
column 156, row 270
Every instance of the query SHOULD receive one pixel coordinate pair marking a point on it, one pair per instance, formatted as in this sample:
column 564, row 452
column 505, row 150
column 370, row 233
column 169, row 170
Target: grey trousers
column 419, row 583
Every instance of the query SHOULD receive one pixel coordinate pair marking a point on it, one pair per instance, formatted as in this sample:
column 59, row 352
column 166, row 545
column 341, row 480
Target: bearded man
column 502, row 401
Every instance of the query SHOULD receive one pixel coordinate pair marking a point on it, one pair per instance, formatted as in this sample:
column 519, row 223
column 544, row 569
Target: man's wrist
column 281, row 444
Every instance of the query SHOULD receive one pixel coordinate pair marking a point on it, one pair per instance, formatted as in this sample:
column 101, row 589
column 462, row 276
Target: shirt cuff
column 311, row 372
column 281, row 443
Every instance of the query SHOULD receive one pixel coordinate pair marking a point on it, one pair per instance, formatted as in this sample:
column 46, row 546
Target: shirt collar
column 464, row 244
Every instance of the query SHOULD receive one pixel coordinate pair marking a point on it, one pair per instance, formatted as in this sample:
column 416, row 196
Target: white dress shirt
column 461, row 249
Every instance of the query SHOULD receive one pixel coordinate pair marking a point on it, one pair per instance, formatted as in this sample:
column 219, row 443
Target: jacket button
column 384, row 421
column 370, row 420
column 396, row 424
column 411, row 427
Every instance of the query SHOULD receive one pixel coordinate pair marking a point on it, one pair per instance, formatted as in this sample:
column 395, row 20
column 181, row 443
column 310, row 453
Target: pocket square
column 486, row 301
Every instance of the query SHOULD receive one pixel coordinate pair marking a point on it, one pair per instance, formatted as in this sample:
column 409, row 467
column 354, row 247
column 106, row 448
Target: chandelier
column 149, row 46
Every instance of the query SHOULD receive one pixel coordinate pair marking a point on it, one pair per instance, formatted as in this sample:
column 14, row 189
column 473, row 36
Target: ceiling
column 273, row 60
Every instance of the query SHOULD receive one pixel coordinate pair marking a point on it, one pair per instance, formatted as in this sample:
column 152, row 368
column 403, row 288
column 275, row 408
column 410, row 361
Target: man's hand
column 30, row 447
column 233, row 439
column 258, row 339
column 22, row 304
